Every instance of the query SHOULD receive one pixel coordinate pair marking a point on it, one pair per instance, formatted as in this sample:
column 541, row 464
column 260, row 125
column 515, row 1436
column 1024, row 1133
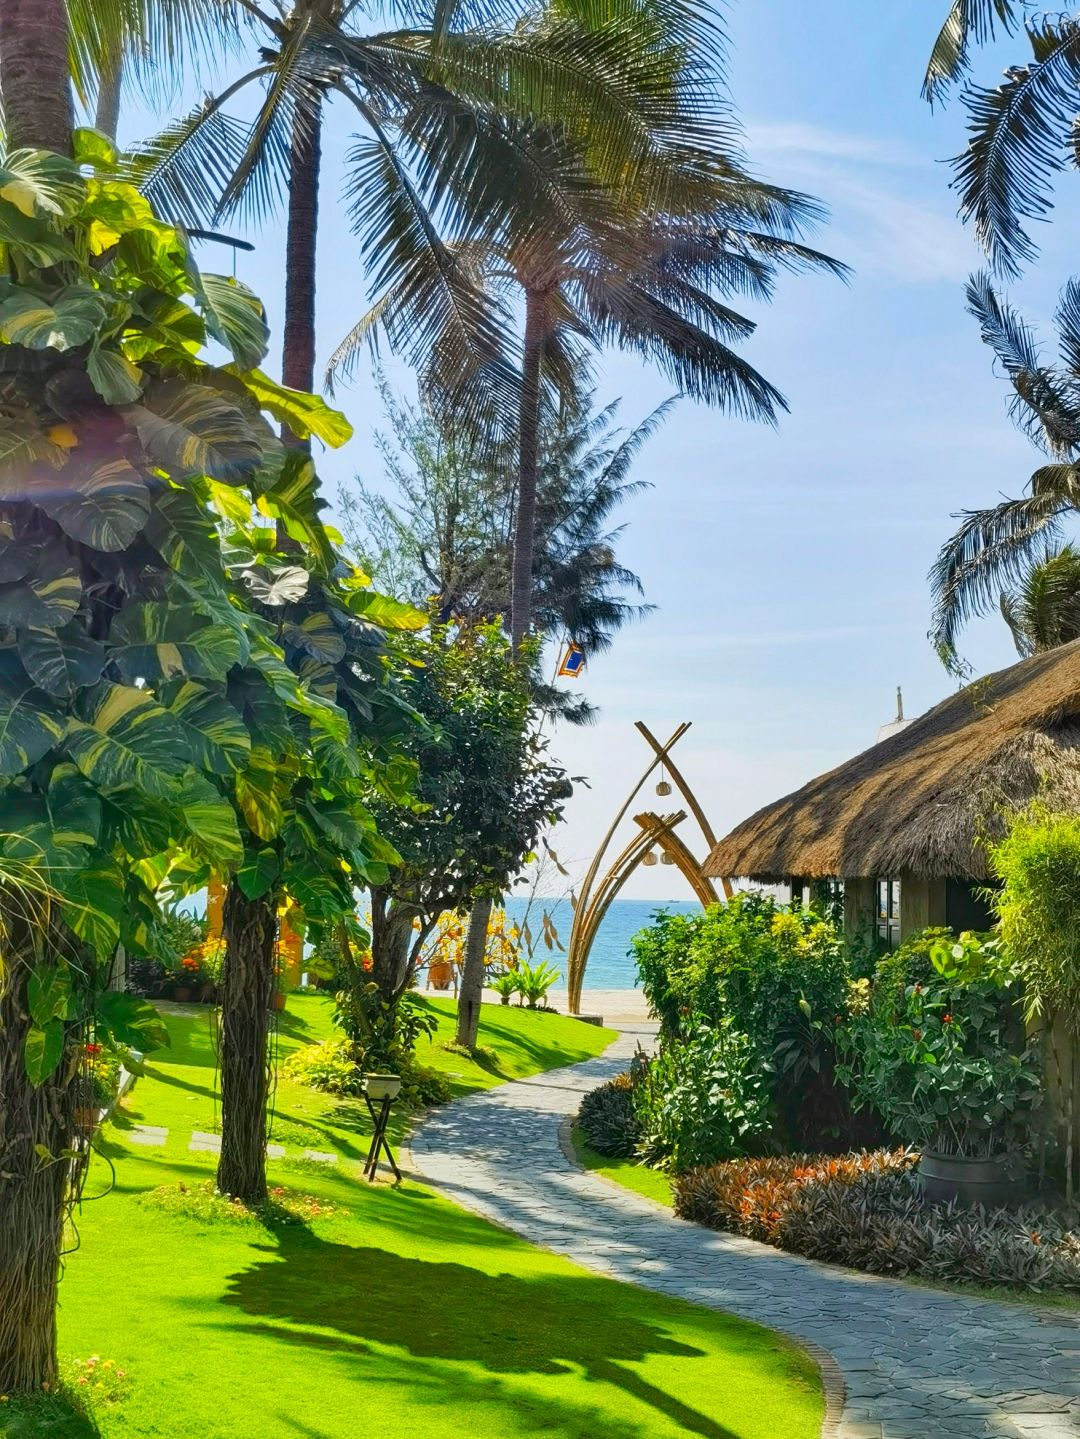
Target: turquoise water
column 611, row 965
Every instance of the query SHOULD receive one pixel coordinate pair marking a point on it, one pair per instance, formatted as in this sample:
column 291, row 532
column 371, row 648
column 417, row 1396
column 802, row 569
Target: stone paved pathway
column 917, row 1364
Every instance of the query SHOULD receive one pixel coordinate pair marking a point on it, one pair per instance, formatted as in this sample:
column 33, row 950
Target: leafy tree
column 1006, row 548
column 593, row 253
column 443, row 526
column 120, row 632
column 485, row 790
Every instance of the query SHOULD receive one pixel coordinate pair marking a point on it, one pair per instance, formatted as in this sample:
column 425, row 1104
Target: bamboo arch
column 654, row 831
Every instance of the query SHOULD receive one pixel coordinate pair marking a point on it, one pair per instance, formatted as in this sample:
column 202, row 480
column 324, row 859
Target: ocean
column 611, row 964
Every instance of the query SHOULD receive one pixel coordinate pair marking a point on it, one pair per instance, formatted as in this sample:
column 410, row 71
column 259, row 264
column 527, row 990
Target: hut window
column 888, row 912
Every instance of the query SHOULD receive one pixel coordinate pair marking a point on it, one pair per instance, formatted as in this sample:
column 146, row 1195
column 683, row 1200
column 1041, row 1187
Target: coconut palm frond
column 968, row 23
column 1020, row 138
column 1044, row 610
column 992, row 550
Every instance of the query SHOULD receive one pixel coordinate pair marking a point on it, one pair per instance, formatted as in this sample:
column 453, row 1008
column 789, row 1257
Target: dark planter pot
column 182, row 994
column 990, row 1182
column 278, row 1000
column 208, row 994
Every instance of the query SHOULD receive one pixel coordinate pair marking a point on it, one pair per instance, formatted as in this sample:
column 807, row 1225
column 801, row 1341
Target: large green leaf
column 115, row 378
column 183, row 534
column 92, row 902
column 210, row 821
column 235, row 317
column 24, row 445
column 48, row 993
column 265, row 716
column 75, row 808
column 216, row 733
column 157, row 640
column 101, row 503
column 123, row 737
column 43, row 1050
column 319, row 637
column 189, row 429
column 389, row 614
column 258, row 793
column 44, row 601
column 143, row 827
column 305, row 414
column 276, row 586
column 61, row 661
column 29, row 725
column 258, row 872
column 292, row 496
column 129, row 1020
column 73, row 317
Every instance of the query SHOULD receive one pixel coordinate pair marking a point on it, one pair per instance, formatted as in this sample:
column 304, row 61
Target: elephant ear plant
column 943, row 1060
column 122, row 632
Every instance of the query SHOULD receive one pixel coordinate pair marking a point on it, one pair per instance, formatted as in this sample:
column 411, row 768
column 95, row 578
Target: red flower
column 916, row 1035
column 93, row 1049
column 946, row 1019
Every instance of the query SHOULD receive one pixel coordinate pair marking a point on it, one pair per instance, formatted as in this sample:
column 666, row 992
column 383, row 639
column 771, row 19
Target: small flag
column 573, row 661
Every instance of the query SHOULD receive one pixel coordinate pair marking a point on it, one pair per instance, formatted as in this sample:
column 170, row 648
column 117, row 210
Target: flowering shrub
column 866, row 1211
column 97, row 1382
column 943, row 1059
column 327, row 1066
column 206, row 1204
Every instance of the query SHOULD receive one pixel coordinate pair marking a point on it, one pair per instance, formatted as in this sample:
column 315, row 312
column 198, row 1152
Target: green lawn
column 649, row 1182
column 376, row 1310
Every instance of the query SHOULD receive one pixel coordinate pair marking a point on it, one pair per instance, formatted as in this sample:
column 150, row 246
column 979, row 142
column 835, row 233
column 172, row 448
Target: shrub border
column 832, row 1380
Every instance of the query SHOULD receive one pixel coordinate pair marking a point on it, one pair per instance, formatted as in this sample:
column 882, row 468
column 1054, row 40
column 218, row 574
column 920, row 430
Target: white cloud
column 795, row 138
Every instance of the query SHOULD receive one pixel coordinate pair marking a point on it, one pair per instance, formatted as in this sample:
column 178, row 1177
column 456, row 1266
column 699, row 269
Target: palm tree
column 1022, row 131
column 34, row 74
column 998, row 549
column 1044, row 611
column 593, row 261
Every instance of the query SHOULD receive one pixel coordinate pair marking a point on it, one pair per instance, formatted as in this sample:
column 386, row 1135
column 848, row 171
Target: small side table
column 380, row 1091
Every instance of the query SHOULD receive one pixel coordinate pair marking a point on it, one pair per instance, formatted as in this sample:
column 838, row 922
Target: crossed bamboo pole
column 594, row 900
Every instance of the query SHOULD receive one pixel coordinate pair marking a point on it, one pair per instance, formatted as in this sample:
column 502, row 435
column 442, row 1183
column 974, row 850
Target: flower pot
column 382, row 1086
column 440, row 976
column 990, row 1182
column 182, row 994
column 279, row 999
column 208, row 993
column 86, row 1119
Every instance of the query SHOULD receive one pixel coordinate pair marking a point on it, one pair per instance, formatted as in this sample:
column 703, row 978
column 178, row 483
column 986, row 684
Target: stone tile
column 205, row 1143
column 320, row 1156
column 275, row 1151
column 153, row 1136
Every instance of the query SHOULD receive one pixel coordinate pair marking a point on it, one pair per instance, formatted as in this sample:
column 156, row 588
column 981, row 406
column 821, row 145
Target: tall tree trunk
column 110, row 85
column 521, row 580
column 298, row 344
column 391, row 946
column 34, row 74
column 33, row 1190
column 471, row 990
column 247, row 990
column 37, row 105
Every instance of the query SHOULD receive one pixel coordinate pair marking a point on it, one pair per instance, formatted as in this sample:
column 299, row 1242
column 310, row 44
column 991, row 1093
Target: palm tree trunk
column 298, row 349
column 110, row 85
column 521, row 580
column 472, row 974
column 34, row 74
column 247, row 990
column 33, row 1190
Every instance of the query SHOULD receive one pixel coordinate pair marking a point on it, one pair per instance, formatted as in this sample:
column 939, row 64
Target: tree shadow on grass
column 46, row 1416
column 446, row 1314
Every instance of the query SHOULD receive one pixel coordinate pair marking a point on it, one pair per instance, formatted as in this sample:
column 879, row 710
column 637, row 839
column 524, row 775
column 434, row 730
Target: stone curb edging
column 832, row 1381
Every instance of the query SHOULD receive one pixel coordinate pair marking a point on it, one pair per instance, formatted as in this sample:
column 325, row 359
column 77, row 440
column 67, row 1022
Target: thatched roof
column 922, row 800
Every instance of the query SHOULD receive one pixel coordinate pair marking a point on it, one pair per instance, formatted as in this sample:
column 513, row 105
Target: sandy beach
column 614, row 1006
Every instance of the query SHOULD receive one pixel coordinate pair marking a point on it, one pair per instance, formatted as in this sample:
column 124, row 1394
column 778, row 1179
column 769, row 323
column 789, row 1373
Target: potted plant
column 534, row 981
column 187, row 978
column 944, row 1063
column 95, row 1085
column 382, row 1086
column 506, row 985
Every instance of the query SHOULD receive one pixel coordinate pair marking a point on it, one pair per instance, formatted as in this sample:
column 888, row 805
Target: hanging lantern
column 650, row 858
column 663, row 788
column 666, row 859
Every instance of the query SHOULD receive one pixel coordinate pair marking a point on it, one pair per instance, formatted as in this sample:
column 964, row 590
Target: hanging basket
column 382, row 1086
column 663, row 788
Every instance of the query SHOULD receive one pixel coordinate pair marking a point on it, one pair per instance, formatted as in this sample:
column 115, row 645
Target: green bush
column 1038, row 906
column 609, row 1120
column 704, row 1097
column 867, row 1212
column 943, row 1058
column 781, row 975
column 327, row 1066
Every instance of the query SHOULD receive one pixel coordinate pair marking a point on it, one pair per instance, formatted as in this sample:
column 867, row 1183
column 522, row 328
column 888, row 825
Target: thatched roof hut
column 922, row 802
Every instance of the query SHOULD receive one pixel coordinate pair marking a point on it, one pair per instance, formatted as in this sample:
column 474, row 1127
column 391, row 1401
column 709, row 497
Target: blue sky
column 788, row 566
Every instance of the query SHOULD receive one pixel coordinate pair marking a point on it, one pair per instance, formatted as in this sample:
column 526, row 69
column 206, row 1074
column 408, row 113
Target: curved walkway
column 917, row 1364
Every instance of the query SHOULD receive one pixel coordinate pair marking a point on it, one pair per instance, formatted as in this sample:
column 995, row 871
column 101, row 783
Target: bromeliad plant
column 943, row 1059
